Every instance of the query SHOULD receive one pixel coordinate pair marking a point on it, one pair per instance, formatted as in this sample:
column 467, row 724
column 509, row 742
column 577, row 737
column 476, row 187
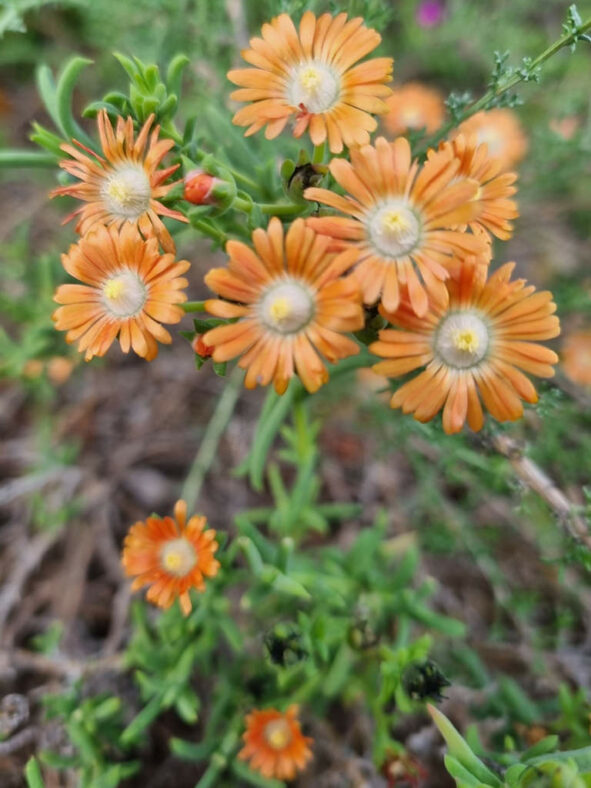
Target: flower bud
column 200, row 348
column 199, row 187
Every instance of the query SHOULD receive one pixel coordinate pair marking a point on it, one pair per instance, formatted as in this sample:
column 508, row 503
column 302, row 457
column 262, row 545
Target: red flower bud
column 200, row 347
column 199, row 186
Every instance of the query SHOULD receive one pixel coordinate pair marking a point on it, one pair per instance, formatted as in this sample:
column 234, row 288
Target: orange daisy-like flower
column 576, row 357
column 495, row 209
column 400, row 220
column 292, row 299
column 171, row 556
column 414, row 107
column 129, row 289
column 501, row 130
column 274, row 743
column 124, row 185
column 475, row 343
column 310, row 76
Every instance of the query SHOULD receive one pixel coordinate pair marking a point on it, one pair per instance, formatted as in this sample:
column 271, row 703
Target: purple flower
column 430, row 13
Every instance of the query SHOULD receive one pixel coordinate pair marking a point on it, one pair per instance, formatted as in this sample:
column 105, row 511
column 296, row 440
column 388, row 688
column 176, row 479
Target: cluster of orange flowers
column 411, row 239
column 129, row 286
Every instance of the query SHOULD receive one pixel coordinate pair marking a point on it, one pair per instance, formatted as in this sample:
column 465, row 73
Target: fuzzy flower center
column 462, row 340
column 394, row 229
column 493, row 139
column 178, row 557
column 315, row 85
column 124, row 294
column 287, row 307
column 127, row 191
column 277, row 734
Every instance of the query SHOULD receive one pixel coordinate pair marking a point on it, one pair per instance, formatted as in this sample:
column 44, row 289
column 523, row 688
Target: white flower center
column 178, row 557
column 277, row 734
column 462, row 339
column 287, row 307
column 493, row 139
column 412, row 117
column 124, row 294
column 394, row 229
column 127, row 191
column 315, row 85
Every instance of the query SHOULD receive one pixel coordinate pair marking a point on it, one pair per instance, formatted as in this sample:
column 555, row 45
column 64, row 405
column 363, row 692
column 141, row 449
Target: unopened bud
column 200, row 187
column 200, row 347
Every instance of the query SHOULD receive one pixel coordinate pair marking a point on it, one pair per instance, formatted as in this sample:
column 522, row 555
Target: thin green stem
column 211, row 438
column 505, row 85
column 27, row 158
column 194, row 306
column 282, row 209
column 212, row 232
column 318, row 155
column 242, row 204
column 240, row 176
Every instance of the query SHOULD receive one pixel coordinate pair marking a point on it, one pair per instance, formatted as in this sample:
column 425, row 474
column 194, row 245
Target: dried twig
column 536, row 479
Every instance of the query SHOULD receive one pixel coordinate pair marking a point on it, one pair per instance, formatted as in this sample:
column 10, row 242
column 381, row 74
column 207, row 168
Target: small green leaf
column 33, row 774
column 460, row 750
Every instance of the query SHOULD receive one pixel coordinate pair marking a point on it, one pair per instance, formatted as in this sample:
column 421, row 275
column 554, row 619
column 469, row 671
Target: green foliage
column 541, row 766
column 94, row 727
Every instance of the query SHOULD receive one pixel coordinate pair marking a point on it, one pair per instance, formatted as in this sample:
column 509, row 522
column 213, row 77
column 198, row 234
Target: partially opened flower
column 576, row 357
column 413, row 107
column 309, row 76
column 291, row 300
column 472, row 346
column 129, row 289
column 399, row 218
column 124, row 185
column 171, row 556
column 274, row 743
column 501, row 130
column 495, row 209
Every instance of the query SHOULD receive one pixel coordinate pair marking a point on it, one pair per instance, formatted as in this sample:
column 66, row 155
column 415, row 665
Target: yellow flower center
column 466, row 339
column 277, row 734
column 314, row 85
column 393, row 229
column 127, row 191
column 124, row 295
column 311, row 79
column 287, row 307
column 178, row 557
column 462, row 339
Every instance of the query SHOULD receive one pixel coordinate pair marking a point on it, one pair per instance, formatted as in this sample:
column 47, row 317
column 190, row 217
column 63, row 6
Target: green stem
column 240, row 176
column 212, row 232
column 27, row 158
column 194, row 306
column 484, row 101
column 282, row 209
column 211, row 438
column 318, row 155
column 242, row 204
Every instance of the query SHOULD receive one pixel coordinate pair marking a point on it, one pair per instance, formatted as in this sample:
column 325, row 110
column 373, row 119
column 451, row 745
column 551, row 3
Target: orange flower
column 171, row 556
column 274, row 743
column 501, row 130
column 123, row 187
column 310, row 76
column 293, row 299
column 129, row 290
column 399, row 220
column 576, row 357
column 494, row 208
column 475, row 343
column 414, row 107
